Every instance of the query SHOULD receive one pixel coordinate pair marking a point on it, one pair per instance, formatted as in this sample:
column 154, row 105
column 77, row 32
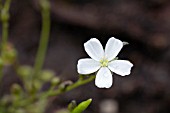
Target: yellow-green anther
column 104, row 62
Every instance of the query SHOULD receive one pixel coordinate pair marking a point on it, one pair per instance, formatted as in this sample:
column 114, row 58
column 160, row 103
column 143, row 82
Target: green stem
column 5, row 19
column 80, row 82
column 32, row 99
column 5, row 24
column 4, row 35
column 45, row 11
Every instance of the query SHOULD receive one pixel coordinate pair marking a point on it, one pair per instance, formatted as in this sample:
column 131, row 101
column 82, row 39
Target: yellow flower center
column 104, row 62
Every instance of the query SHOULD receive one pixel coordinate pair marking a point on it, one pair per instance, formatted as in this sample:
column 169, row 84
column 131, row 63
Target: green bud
column 9, row 54
column 16, row 89
column 47, row 75
column 24, row 71
column 65, row 84
column 72, row 105
column 37, row 84
column 82, row 106
column 55, row 81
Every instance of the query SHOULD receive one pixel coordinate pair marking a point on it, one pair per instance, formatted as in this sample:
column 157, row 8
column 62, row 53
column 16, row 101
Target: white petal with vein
column 112, row 48
column 103, row 78
column 87, row 66
column 94, row 49
column 120, row 67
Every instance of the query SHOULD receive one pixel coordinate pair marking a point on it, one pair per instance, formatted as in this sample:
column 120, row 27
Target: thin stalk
column 45, row 12
column 31, row 100
column 79, row 82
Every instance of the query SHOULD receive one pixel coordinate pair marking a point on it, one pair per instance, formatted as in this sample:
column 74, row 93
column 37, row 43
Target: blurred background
column 145, row 24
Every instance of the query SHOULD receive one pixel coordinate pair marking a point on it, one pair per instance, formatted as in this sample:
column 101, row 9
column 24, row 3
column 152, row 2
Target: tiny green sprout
column 82, row 106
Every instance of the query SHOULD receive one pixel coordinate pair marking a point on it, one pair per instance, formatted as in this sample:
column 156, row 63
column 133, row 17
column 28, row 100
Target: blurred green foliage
column 28, row 96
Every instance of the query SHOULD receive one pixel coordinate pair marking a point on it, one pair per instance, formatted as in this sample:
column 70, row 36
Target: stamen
column 104, row 62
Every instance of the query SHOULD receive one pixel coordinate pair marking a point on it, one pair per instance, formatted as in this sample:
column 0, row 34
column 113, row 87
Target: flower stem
column 78, row 83
column 45, row 12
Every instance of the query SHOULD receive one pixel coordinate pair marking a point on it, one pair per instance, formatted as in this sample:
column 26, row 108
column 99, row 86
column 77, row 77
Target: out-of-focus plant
column 28, row 97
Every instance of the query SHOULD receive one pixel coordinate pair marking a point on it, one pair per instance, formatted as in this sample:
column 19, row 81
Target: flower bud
column 47, row 75
column 65, row 84
column 37, row 85
column 9, row 54
column 24, row 71
column 55, row 81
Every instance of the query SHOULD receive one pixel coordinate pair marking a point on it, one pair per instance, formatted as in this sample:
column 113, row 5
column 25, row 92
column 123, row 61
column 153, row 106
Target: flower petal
column 87, row 66
column 120, row 67
column 112, row 48
column 104, row 78
column 94, row 49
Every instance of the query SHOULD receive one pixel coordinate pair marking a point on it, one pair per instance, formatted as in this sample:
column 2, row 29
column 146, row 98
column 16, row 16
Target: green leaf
column 82, row 106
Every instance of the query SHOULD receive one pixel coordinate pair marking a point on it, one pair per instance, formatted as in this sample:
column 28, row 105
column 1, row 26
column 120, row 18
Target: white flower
column 104, row 61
